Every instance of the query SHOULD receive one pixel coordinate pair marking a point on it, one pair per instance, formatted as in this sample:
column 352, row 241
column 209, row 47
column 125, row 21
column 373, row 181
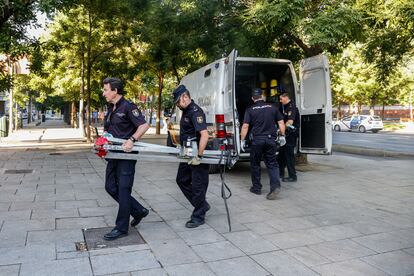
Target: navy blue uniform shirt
column 290, row 112
column 193, row 120
column 262, row 118
column 123, row 121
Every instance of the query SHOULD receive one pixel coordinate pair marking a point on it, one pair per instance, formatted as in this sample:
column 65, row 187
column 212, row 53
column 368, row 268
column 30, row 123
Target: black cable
column 224, row 187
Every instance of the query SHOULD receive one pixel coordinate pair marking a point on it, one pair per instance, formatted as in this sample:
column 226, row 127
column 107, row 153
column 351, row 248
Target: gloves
column 242, row 145
column 281, row 140
column 196, row 160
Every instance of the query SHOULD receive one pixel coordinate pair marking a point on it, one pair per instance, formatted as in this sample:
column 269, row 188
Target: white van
column 222, row 89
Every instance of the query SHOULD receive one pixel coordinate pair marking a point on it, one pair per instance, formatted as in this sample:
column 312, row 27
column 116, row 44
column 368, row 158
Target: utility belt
column 270, row 136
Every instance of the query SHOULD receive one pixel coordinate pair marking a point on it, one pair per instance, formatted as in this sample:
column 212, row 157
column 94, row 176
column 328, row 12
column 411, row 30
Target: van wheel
column 375, row 130
column 362, row 129
column 337, row 128
column 214, row 168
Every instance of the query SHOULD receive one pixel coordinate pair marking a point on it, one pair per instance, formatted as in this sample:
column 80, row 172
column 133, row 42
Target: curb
column 369, row 151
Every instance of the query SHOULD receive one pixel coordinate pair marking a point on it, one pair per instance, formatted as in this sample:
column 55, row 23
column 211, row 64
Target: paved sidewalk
column 347, row 215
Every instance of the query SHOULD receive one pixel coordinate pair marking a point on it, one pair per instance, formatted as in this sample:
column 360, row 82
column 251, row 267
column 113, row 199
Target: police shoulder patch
column 200, row 119
column 135, row 112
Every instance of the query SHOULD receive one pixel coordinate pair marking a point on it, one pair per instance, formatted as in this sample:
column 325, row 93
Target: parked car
column 361, row 123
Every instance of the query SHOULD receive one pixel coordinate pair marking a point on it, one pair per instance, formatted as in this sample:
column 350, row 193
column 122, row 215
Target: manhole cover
column 17, row 171
column 55, row 153
column 94, row 238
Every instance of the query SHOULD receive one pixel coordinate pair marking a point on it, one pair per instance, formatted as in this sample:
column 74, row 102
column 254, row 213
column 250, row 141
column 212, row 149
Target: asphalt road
column 383, row 140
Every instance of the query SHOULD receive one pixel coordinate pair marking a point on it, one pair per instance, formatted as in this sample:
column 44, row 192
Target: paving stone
column 348, row 268
column 98, row 211
column 10, row 270
column 261, row 228
column 53, row 213
column 290, row 224
column 26, row 254
column 172, row 252
column 307, row 256
column 78, row 267
column 28, row 225
column 15, row 215
column 294, row 239
column 12, row 238
column 66, row 235
column 200, row 236
column 341, row 250
column 409, row 251
column 123, row 262
column 40, row 205
column 73, row 204
column 242, row 266
column 153, row 231
column 189, row 270
column 384, row 242
column 372, row 226
column 250, row 243
column 336, row 232
column 72, row 255
column 80, row 223
column 4, row 206
column 280, row 263
column 217, row 251
column 394, row 263
column 220, row 224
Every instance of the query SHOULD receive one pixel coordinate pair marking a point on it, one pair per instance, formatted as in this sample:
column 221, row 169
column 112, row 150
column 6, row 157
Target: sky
column 36, row 32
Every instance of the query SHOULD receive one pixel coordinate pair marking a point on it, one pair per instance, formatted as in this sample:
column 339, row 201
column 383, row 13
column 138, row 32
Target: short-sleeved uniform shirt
column 291, row 112
column 262, row 118
column 123, row 121
column 193, row 120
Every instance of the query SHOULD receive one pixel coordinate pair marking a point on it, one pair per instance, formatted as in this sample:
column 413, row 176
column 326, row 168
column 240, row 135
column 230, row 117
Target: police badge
column 135, row 112
column 200, row 119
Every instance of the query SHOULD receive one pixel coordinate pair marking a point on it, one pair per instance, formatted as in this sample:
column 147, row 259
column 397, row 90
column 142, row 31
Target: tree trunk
column 29, row 110
column 88, row 82
column 383, row 111
column 82, row 93
column 160, row 87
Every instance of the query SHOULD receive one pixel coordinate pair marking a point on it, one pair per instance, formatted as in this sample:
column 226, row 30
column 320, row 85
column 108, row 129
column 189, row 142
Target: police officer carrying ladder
column 124, row 121
column 262, row 118
column 192, row 177
column 286, row 156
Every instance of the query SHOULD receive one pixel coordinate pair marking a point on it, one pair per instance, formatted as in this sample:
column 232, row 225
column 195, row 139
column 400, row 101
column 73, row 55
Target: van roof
column 264, row 60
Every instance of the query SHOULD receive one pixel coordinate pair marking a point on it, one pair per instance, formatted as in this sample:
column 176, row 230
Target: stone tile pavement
column 347, row 215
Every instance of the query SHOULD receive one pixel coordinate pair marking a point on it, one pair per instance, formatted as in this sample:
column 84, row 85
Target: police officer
column 124, row 121
column 192, row 177
column 262, row 118
column 286, row 156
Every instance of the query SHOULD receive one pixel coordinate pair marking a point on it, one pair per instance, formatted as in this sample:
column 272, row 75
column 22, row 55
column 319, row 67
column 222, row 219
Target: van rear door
column 230, row 97
column 315, row 106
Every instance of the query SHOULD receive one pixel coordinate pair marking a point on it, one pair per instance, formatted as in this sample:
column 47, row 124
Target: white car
column 362, row 123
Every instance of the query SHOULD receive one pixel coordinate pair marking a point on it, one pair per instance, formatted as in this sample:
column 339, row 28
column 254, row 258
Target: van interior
column 273, row 78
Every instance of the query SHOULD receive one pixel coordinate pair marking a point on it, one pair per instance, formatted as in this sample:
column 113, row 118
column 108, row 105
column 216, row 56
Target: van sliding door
column 315, row 106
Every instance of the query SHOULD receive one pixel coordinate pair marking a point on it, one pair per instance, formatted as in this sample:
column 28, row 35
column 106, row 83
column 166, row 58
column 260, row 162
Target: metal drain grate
column 17, row 171
column 94, row 238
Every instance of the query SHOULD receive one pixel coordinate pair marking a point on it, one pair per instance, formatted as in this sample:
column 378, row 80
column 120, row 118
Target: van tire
column 375, row 131
column 362, row 129
column 214, row 168
column 337, row 128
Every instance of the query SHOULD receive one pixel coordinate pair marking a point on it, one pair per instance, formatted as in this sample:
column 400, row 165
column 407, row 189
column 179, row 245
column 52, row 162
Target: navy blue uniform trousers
column 118, row 183
column 264, row 147
column 193, row 182
column 286, row 156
